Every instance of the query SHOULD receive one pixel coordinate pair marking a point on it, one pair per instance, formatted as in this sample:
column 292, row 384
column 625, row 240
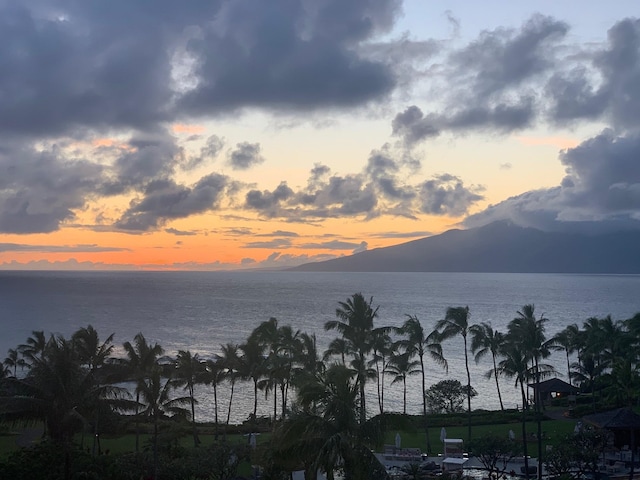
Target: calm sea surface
column 201, row 311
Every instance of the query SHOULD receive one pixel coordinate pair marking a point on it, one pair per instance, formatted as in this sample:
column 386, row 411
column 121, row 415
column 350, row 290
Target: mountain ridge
column 499, row 247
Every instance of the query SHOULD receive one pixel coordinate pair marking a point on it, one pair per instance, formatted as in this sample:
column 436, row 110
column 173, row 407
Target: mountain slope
column 498, row 247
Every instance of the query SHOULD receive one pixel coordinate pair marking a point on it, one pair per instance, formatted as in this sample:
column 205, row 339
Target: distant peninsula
column 498, row 247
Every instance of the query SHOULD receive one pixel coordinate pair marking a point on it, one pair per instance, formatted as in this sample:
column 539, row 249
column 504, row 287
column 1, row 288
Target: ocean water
column 200, row 311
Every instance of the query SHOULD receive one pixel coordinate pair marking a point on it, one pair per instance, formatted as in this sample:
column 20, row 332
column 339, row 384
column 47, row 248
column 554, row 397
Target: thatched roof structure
column 619, row 419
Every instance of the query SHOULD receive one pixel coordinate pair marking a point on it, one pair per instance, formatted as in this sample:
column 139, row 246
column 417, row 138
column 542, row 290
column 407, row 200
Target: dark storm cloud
column 41, row 188
column 600, row 192
column 70, row 65
column 291, row 54
column 607, row 86
column 447, row 195
column 165, row 200
column 245, row 156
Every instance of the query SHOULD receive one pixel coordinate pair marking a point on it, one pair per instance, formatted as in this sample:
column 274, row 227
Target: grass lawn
column 554, row 431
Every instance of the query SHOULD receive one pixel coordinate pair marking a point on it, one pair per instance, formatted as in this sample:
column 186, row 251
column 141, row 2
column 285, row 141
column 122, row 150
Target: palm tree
column 401, row 366
column 91, row 351
column 189, row 370
column 326, row 432
column 94, row 354
column 13, row 361
column 231, row 363
column 382, row 348
column 215, row 373
column 141, row 359
column 251, row 367
column 485, row 340
column 355, row 324
column 514, row 363
column 34, row 347
column 416, row 343
column 527, row 333
column 337, row 346
column 567, row 340
column 456, row 322
column 155, row 393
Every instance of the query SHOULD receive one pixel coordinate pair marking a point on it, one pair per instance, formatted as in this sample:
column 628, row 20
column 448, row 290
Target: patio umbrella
column 443, row 434
column 398, row 440
column 512, row 436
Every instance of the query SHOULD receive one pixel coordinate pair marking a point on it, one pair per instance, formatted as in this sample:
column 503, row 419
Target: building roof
column 621, row 418
column 554, row 385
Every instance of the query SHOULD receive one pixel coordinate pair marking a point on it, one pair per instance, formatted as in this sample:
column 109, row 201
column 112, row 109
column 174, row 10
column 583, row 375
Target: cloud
column 446, row 195
column 40, row 188
column 275, row 243
column 296, row 55
column 179, row 233
column 601, row 190
column 17, row 247
column 165, row 200
column 245, row 156
column 605, row 85
column 335, row 245
column 278, row 233
column 488, row 85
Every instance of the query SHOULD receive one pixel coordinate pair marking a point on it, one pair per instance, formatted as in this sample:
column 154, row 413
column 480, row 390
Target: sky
column 244, row 134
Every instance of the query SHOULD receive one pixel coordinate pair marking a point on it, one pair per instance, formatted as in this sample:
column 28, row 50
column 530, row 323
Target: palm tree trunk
column 404, row 396
column 233, row 384
column 568, row 368
column 155, row 445
column 137, row 415
column 539, row 419
column 215, row 408
column 524, row 431
column 196, row 441
column 466, row 364
column 495, row 374
column 379, row 390
column 424, row 406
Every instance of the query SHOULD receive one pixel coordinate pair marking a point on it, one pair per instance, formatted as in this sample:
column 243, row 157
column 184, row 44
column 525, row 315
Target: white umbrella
column 398, row 440
column 512, row 436
column 443, row 434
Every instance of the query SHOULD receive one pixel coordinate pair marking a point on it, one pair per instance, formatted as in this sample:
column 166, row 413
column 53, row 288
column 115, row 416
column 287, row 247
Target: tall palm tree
column 567, row 340
column 155, row 393
column 189, row 370
column 454, row 323
column 401, row 366
column 231, row 363
column 251, row 367
column 140, row 360
column 34, row 347
column 382, row 348
column 326, row 432
column 485, row 340
column 13, row 361
column 515, row 364
column 215, row 373
column 416, row 343
column 355, row 323
column 337, row 347
column 527, row 332
column 92, row 352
